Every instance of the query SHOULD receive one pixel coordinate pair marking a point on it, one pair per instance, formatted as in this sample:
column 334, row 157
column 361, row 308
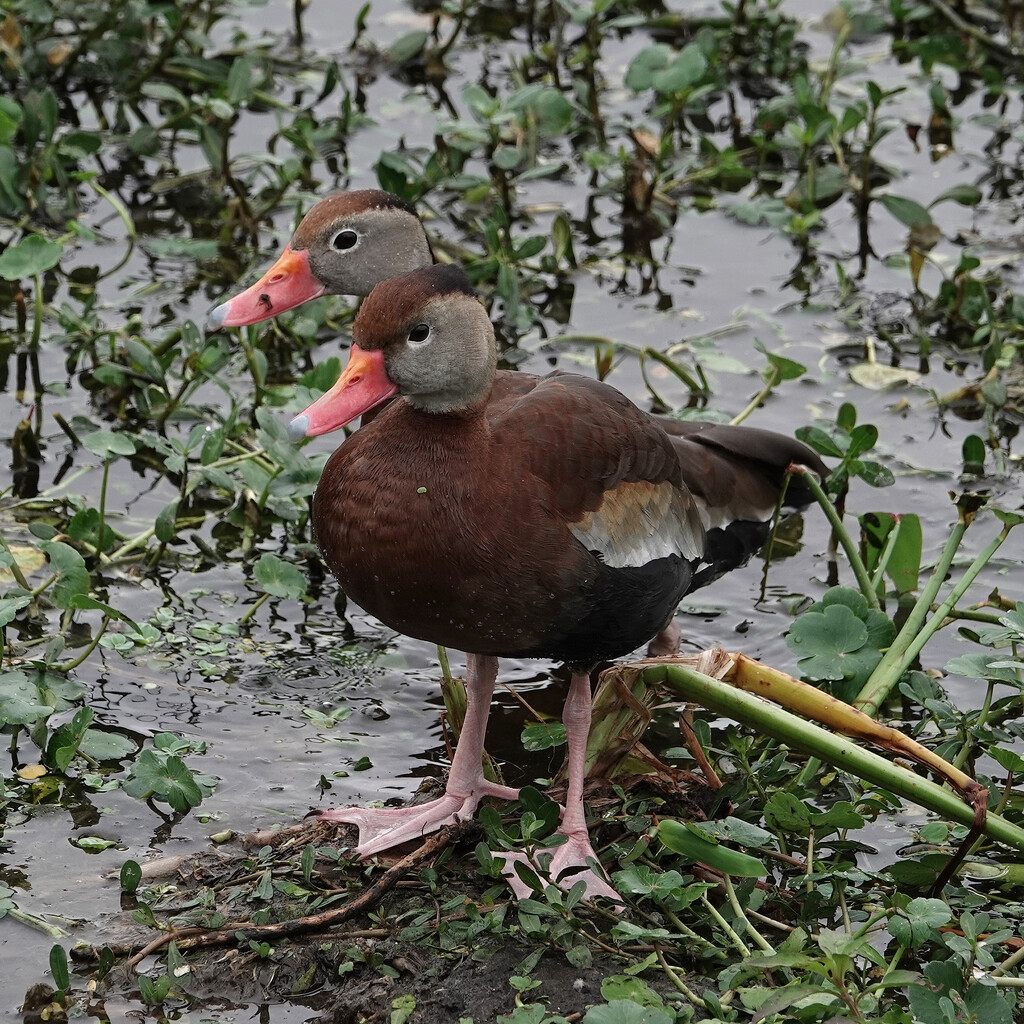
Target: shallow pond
column 713, row 286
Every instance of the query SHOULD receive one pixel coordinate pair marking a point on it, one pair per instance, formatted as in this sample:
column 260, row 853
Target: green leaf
column 10, row 606
column 104, row 745
column 622, row 986
column 543, row 735
column 65, row 741
column 965, row 195
column 780, row 367
column 690, row 841
column 648, row 62
column 59, row 968
column 824, row 640
column 72, row 576
column 625, row 1011
column 685, row 71
column 817, row 439
column 906, row 211
column 404, row 48
column 165, row 522
column 278, row 577
column 107, row 443
column 32, row 255
column 87, row 601
column 131, row 875
column 169, row 780
column 785, row 813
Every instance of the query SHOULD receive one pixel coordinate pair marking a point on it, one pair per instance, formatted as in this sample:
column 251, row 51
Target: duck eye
column 344, row 240
column 419, row 334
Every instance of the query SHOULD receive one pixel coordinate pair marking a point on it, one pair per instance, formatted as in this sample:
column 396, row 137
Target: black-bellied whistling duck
column 345, row 245
column 548, row 517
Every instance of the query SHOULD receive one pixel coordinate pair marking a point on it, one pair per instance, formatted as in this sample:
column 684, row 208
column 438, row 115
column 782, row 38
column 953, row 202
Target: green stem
column 852, row 554
column 916, row 632
column 724, row 925
column 883, row 559
column 259, row 602
column 69, row 666
column 979, row 723
column 684, row 989
column 756, row 401
column 50, row 930
column 734, row 902
column 132, row 544
column 16, row 572
column 37, row 315
column 101, row 528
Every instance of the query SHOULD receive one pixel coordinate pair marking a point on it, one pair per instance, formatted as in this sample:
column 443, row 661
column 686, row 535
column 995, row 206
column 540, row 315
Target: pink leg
column 382, row 828
column 569, row 863
column 666, row 643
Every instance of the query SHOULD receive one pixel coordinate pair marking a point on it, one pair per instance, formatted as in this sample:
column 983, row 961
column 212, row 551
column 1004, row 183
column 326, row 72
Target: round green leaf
column 32, row 255
column 278, row 577
column 107, row 443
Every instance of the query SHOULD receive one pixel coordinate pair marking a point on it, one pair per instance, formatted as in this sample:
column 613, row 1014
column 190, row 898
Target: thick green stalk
column 916, row 631
column 837, row 750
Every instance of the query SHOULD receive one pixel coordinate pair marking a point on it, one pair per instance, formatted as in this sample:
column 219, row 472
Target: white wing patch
column 723, row 515
column 639, row 522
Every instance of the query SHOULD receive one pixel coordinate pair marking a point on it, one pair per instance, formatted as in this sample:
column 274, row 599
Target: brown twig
column 199, row 938
column 695, row 749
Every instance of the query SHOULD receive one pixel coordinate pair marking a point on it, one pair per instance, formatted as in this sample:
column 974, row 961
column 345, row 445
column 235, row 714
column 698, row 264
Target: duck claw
column 568, row 866
column 381, row 828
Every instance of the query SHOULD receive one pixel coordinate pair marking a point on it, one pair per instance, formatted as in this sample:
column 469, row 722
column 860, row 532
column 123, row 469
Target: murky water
column 713, row 273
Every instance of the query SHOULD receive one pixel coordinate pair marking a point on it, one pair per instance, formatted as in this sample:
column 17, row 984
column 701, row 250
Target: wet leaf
column 167, row 779
column 906, row 211
column 19, row 699
column 108, row 444
column 543, row 735
column 94, row 844
column 72, row 576
column 878, row 377
column 278, row 577
column 408, row 46
column 104, row 745
column 31, row 256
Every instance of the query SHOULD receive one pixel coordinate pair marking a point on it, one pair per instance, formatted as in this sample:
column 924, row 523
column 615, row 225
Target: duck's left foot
column 568, row 866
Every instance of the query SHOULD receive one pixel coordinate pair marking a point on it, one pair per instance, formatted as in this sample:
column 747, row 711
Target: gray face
column 441, row 354
column 354, row 252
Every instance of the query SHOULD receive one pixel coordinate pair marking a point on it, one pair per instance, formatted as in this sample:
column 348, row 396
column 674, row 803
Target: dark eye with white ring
column 344, row 240
column 420, row 334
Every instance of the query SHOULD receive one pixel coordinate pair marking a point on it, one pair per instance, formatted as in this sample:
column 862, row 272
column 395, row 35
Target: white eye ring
column 345, row 240
column 420, row 335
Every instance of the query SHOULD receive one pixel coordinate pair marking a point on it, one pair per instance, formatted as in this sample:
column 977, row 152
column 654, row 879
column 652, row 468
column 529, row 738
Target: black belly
column 625, row 609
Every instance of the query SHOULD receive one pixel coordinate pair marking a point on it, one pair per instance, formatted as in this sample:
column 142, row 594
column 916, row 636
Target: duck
column 347, row 243
column 505, row 514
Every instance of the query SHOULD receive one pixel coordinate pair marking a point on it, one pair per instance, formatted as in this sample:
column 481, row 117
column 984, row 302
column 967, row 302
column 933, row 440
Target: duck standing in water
column 545, row 517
